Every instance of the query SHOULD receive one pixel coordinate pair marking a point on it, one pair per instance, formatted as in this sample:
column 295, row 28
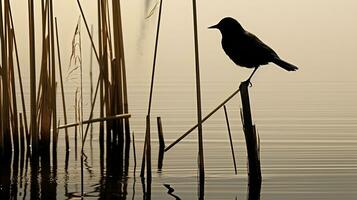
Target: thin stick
column 101, row 125
column 121, row 116
column 100, row 67
column 15, row 131
column 230, row 139
column 125, row 92
column 22, row 135
column 155, row 55
column 53, row 68
column 161, row 144
column 5, row 79
column 91, row 84
column 62, row 87
column 148, row 150
column 81, row 113
column 32, row 65
column 199, row 107
column 75, row 129
column 134, row 152
column 143, row 157
column 203, row 120
column 19, row 73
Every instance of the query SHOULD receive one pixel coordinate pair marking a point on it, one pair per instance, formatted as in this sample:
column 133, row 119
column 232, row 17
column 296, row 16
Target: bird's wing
column 259, row 47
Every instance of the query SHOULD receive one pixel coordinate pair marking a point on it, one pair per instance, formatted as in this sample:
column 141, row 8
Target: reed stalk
column 22, row 134
column 76, row 119
column 125, row 90
column 118, row 66
column 7, row 145
column 62, row 87
column 91, row 84
column 230, row 139
column 134, row 152
column 148, row 150
column 91, row 121
column 100, row 67
column 15, row 129
column 155, row 56
column 101, row 97
column 199, row 109
column 151, row 87
column 19, row 74
column 53, row 84
column 32, row 48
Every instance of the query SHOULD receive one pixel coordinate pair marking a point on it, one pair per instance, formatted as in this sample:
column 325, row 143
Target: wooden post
column 134, row 152
column 250, row 138
column 161, row 144
column 148, row 150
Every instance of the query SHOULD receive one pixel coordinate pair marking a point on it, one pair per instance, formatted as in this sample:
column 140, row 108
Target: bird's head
column 228, row 25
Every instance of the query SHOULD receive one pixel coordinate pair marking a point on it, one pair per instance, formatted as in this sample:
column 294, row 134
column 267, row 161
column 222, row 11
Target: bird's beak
column 214, row 26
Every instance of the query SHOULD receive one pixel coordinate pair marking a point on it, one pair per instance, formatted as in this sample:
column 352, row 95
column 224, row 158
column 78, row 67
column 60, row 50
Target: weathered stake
column 134, row 152
column 250, row 137
column 148, row 150
column 161, row 144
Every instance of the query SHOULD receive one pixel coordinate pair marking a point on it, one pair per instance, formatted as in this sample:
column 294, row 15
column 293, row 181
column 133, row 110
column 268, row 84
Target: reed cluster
column 11, row 137
column 113, row 86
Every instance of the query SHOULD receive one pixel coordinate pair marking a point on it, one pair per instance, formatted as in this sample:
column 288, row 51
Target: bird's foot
column 247, row 82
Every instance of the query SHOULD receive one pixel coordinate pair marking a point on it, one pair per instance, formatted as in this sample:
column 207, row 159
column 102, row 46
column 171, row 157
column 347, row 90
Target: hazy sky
column 319, row 36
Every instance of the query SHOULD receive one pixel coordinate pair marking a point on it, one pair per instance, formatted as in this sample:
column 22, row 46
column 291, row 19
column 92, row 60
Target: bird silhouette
column 245, row 49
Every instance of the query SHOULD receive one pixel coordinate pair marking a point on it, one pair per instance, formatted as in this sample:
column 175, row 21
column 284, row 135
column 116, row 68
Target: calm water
column 306, row 120
column 308, row 151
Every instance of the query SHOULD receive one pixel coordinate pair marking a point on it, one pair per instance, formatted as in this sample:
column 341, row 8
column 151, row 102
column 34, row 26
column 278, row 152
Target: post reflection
column 254, row 188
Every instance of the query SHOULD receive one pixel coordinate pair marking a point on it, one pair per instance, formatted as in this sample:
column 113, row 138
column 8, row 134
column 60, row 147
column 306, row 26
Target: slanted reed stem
column 203, row 120
column 62, row 87
column 230, row 139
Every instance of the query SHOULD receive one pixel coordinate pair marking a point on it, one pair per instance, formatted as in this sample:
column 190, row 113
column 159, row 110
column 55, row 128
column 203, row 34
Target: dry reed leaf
column 152, row 11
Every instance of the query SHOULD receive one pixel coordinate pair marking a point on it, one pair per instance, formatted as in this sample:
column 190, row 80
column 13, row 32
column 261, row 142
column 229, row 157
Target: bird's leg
column 248, row 80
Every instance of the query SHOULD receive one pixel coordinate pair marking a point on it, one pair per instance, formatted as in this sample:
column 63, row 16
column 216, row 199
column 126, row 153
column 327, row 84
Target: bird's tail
column 285, row 65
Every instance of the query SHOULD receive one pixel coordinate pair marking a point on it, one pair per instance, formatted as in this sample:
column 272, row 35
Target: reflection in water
column 47, row 181
column 5, row 172
column 34, row 186
column 15, row 171
column 27, row 176
column 171, row 192
column 254, row 188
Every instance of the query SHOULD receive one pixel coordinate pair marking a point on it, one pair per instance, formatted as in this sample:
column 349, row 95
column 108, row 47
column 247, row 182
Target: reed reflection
column 5, row 172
